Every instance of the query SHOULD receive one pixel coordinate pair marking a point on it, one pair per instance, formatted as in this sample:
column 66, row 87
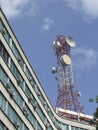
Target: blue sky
column 36, row 25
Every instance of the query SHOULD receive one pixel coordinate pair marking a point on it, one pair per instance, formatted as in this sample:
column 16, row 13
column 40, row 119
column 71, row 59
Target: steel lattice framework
column 67, row 95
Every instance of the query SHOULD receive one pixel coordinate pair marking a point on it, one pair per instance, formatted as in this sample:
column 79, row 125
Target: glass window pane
column 3, row 76
column 1, row 25
column 2, row 126
column 1, row 47
column 2, row 102
column 14, row 117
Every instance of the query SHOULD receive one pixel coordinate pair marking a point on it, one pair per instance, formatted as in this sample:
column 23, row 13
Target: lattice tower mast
column 67, row 95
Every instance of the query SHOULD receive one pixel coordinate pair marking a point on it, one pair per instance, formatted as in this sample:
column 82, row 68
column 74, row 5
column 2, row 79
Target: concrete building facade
column 23, row 103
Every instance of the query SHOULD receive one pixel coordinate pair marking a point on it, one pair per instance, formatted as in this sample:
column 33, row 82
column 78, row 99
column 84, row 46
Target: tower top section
column 63, row 41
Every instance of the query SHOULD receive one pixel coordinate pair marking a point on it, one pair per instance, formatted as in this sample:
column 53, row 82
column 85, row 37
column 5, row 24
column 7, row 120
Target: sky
column 36, row 25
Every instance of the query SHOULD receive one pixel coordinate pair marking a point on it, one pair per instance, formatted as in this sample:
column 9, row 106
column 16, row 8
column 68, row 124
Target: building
column 23, row 102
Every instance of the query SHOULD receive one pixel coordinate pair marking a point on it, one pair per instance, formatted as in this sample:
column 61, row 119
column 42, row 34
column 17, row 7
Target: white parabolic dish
column 65, row 59
column 70, row 41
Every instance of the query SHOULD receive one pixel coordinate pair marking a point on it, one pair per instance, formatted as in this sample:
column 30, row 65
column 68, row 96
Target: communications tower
column 67, row 95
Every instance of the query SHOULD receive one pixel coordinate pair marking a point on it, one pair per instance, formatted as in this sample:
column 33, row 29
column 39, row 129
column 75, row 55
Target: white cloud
column 85, row 58
column 47, row 23
column 73, row 3
column 13, row 8
column 33, row 8
column 89, row 8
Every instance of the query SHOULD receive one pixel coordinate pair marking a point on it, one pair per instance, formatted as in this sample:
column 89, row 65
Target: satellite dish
column 54, row 70
column 65, row 59
column 70, row 41
column 78, row 94
column 56, row 44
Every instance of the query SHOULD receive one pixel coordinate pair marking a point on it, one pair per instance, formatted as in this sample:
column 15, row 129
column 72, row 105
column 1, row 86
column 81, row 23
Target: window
column 1, row 26
column 41, row 114
column 67, row 127
column 27, row 90
column 14, row 117
column 17, row 97
column 30, row 116
column 14, row 70
column 76, row 128
column 25, row 127
column 17, row 75
column 0, row 47
column 3, row 76
column 4, row 53
column 2, row 102
column 2, row 126
column 15, row 51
